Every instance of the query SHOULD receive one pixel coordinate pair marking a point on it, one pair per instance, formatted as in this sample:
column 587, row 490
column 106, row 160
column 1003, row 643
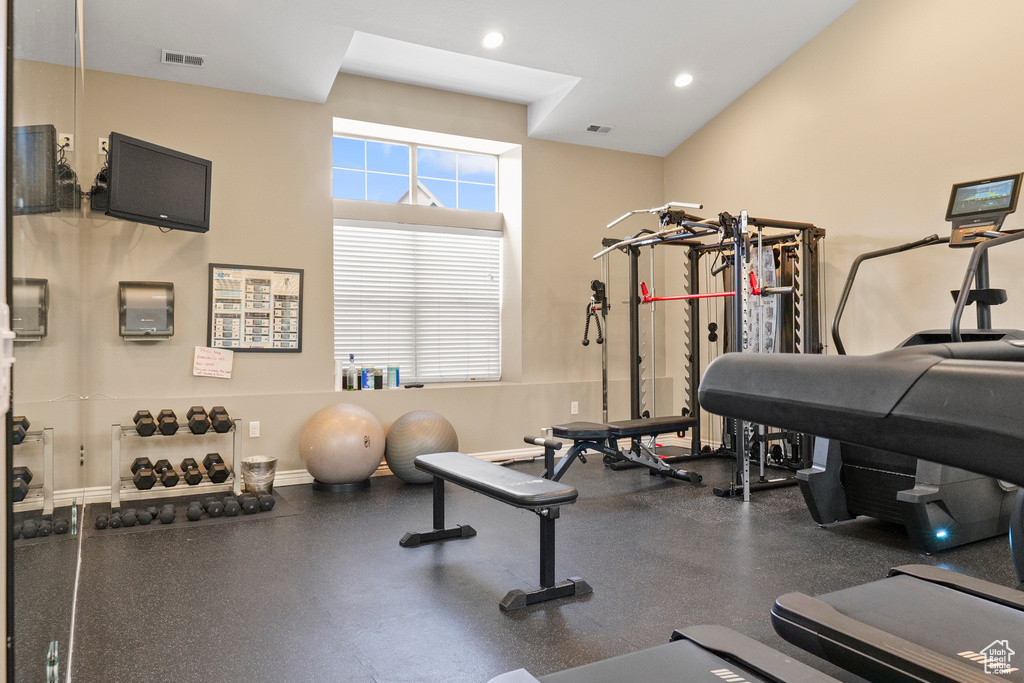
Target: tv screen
column 157, row 186
column 34, row 176
column 980, row 197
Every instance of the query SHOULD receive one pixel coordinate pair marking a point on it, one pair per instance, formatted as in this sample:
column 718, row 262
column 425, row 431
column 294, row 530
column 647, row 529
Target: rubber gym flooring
column 328, row 595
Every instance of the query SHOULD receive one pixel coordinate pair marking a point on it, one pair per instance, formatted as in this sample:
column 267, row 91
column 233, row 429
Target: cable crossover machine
column 773, row 293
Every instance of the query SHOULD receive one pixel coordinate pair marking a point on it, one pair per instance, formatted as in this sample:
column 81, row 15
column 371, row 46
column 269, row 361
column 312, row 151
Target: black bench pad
column 651, row 426
column 511, row 487
column 578, row 431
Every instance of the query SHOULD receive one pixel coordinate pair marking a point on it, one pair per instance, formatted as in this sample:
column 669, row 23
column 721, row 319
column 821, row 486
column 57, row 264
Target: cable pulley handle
column 755, row 290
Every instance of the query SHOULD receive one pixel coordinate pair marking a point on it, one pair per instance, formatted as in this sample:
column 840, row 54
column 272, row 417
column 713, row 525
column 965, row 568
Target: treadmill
column 957, row 404
column 939, row 506
column 699, row 654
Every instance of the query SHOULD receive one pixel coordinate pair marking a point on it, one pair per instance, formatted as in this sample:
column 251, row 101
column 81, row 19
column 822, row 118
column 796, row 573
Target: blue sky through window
column 381, row 171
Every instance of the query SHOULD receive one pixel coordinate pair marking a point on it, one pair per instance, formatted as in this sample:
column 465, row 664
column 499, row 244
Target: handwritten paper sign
column 210, row 362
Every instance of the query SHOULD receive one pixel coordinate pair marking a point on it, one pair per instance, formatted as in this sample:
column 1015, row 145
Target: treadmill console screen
column 977, row 208
column 979, row 197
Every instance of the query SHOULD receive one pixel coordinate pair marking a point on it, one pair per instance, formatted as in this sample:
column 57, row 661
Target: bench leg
column 439, row 533
column 549, row 590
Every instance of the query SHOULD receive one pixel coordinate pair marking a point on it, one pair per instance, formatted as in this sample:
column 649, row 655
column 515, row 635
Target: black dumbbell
column 220, row 420
column 16, row 531
column 194, row 511
column 29, row 529
column 249, row 503
column 19, row 428
column 266, row 502
column 167, row 422
column 167, row 514
column 129, row 517
column 164, row 469
column 114, row 521
column 214, row 507
column 153, row 511
column 145, row 425
column 22, row 478
column 190, row 471
column 101, row 522
column 231, row 507
column 216, row 470
column 198, row 420
column 61, row 526
column 144, row 476
column 45, row 528
column 145, row 517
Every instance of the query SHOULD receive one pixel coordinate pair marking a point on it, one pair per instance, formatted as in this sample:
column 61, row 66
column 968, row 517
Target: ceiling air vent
column 598, row 129
column 181, row 58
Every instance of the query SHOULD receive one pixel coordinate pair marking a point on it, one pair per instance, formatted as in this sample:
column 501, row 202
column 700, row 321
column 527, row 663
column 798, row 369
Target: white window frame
column 506, row 221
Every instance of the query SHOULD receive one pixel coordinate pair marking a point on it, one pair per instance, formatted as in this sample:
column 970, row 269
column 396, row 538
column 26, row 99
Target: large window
column 425, row 299
column 410, row 174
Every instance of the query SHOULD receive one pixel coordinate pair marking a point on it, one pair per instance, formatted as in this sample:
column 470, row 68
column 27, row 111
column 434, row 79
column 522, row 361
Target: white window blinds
column 425, row 299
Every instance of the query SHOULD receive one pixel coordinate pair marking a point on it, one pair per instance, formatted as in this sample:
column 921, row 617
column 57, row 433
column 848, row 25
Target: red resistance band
column 645, row 296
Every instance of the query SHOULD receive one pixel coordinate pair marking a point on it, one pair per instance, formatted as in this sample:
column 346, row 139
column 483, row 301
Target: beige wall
column 271, row 206
column 862, row 132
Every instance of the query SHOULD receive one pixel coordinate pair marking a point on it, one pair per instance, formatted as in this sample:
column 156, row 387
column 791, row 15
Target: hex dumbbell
column 231, row 506
column 190, row 471
column 143, row 475
column 164, row 469
column 19, row 428
column 198, row 420
column 216, row 470
column 22, row 478
column 214, row 507
column 194, row 511
column 167, row 514
column 167, row 422
column 219, row 419
column 249, row 503
column 145, row 425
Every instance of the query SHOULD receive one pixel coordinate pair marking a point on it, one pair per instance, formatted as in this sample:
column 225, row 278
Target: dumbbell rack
column 124, row 489
column 40, row 495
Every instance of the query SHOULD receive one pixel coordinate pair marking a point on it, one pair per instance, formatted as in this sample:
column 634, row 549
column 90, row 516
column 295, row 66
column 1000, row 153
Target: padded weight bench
column 512, row 487
column 603, row 438
column 698, row 654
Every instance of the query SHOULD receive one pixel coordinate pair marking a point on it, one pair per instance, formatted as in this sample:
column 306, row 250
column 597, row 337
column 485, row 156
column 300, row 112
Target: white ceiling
column 573, row 62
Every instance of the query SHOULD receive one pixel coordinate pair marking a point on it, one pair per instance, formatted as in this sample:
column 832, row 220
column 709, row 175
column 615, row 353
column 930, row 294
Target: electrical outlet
column 67, row 141
column 254, row 430
column 574, row 408
column 101, row 147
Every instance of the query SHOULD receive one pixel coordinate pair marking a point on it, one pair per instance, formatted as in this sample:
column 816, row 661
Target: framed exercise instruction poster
column 253, row 308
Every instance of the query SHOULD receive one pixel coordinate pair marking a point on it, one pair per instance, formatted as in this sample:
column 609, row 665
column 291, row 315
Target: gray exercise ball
column 342, row 444
column 417, row 433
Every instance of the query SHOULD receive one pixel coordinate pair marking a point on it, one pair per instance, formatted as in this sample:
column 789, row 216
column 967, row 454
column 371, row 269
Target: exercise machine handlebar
column 680, row 205
column 925, row 242
column 978, row 253
column 755, row 290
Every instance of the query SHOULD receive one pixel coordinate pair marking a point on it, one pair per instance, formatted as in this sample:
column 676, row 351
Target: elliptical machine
column 941, row 507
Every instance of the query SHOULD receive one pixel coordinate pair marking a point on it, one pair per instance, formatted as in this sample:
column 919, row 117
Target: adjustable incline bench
column 603, row 438
column 512, row 487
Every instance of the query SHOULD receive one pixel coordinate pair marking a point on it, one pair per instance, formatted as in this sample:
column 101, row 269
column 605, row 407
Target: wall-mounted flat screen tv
column 157, row 186
column 34, row 170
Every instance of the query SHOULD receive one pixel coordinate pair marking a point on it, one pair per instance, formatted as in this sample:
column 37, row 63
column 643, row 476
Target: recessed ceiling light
column 683, row 80
column 493, row 40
